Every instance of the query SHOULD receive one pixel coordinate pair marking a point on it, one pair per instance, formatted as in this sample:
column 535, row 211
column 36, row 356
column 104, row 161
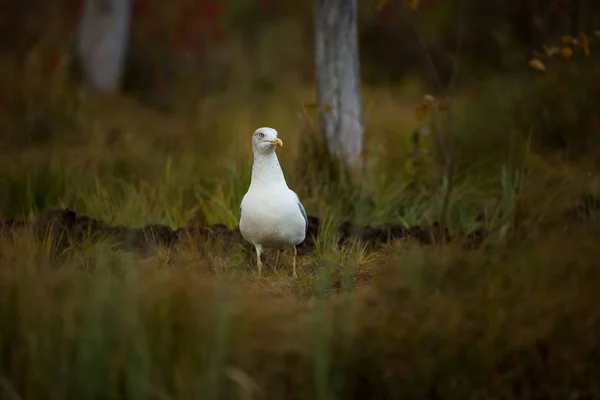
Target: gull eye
column 261, row 135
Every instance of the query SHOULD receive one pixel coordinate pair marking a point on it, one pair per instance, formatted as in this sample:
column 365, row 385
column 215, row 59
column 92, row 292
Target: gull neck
column 266, row 169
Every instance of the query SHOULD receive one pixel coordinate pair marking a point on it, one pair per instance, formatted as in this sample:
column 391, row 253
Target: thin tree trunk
column 102, row 42
column 338, row 78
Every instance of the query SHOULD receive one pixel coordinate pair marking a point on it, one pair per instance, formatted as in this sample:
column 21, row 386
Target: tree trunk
column 102, row 42
column 338, row 78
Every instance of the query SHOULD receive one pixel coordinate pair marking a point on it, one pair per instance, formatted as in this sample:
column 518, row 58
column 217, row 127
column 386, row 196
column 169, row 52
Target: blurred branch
column 460, row 36
column 428, row 58
column 445, row 139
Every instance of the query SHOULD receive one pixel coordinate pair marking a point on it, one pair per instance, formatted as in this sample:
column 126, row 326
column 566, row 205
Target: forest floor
column 123, row 273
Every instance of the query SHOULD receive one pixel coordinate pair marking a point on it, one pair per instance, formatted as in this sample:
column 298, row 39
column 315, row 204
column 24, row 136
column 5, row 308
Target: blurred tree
column 102, row 42
column 338, row 78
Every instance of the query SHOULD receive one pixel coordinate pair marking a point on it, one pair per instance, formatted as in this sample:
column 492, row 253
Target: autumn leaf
column 566, row 39
column 308, row 107
column 585, row 44
column 421, row 111
column 566, row 52
column 536, row 64
column 442, row 106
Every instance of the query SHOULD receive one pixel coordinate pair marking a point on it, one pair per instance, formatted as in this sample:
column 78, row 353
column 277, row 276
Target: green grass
column 517, row 318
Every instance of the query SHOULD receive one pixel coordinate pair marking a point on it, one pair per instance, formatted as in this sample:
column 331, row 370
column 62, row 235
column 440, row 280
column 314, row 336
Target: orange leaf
column 566, row 39
column 537, row 64
column 421, row 111
column 310, row 106
column 566, row 52
column 585, row 44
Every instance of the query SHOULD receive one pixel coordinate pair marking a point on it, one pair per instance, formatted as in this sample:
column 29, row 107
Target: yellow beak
column 277, row 142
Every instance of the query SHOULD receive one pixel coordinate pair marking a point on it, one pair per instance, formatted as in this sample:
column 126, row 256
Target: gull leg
column 294, row 262
column 258, row 261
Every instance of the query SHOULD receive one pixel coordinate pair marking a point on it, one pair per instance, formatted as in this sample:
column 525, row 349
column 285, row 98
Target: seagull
column 271, row 214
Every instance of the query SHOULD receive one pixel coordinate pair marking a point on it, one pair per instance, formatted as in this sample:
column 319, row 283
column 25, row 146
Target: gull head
column 265, row 140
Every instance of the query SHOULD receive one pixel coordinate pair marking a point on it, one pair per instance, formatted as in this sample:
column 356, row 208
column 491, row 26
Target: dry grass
column 517, row 318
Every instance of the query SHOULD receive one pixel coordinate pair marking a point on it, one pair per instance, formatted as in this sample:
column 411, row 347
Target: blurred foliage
column 186, row 52
column 517, row 318
column 224, row 43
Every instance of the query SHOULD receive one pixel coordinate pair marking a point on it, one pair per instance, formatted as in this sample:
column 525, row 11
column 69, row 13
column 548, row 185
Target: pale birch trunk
column 102, row 42
column 338, row 78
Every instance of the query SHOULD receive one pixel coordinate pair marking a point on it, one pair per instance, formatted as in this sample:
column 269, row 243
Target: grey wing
column 302, row 210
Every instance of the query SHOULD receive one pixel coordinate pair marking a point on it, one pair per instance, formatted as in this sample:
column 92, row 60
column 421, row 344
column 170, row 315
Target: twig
column 449, row 165
column 429, row 59
column 449, row 116
column 460, row 34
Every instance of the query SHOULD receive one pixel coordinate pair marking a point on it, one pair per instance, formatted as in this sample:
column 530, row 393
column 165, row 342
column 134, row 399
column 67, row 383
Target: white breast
column 272, row 219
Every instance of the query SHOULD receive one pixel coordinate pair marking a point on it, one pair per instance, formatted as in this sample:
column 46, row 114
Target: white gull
column 271, row 214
